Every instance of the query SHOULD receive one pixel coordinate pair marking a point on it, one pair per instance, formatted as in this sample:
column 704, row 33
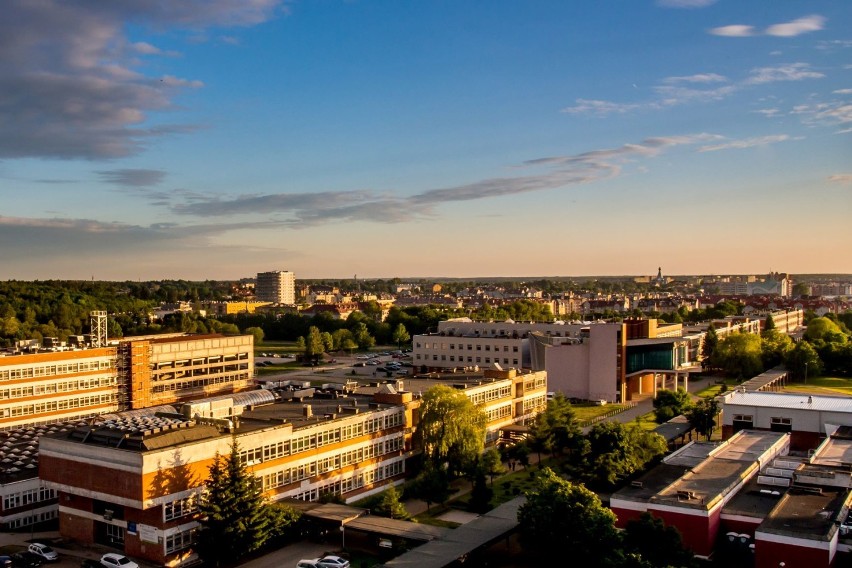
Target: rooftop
column 808, row 513
column 790, row 400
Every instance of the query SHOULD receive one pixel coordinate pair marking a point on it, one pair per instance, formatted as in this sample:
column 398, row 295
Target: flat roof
column 674, row 428
column 654, row 341
column 754, row 500
column 408, row 530
column 790, row 400
column 807, row 513
column 464, row 539
column 764, row 379
column 834, row 452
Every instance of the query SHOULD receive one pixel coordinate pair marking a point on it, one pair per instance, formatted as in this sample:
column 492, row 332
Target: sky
column 214, row 139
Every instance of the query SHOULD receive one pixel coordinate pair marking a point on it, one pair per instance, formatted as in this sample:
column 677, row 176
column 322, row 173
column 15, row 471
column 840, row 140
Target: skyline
column 214, row 140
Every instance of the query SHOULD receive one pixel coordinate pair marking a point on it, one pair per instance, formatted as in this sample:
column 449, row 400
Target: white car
column 113, row 560
column 309, row 563
column 332, row 561
column 43, row 551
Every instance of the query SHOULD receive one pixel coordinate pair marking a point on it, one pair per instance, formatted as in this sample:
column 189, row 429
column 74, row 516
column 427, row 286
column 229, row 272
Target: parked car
column 43, row 551
column 114, row 560
column 360, row 364
column 332, row 561
column 25, row 559
column 6, row 561
column 309, row 563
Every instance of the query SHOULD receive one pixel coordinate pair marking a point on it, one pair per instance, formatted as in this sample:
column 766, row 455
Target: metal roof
column 790, row 400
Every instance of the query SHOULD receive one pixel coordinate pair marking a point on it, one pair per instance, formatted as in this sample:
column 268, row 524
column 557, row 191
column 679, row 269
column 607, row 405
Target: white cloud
column 842, row 92
column 797, row 27
column 601, row 108
column 768, row 112
column 734, row 30
column 745, row 143
column 81, row 94
column 804, row 25
column 697, row 78
column 790, row 72
column 841, row 178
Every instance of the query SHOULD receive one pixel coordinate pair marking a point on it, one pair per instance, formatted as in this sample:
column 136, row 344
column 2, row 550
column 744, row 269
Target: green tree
column 480, row 494
column 491, row 463
column 774, row 347
column 257, row 333
column 769, row 324
column 555, row 428
column 649, row 538
column 390, row 506
column 362, row 336
column 314, row 346
column 708, row 347
column 668, row 404
column 451, row 430
column 327, row 341
column 283, row 523
column 803, row 361
column 432, row 485
column 339, row 337
column 702, row 416
column 234, row 520
column 822, row 328
column 616, row 451
column 739, row 355
column 400, row 335
column 560, row 517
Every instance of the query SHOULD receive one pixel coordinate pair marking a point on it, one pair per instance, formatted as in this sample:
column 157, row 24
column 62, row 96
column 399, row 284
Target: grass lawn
column 715, row 388
column 587, row 411
column 823, row 385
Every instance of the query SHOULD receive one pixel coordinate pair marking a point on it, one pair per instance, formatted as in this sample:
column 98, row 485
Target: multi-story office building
column 44, row 391
column 131, row 481
column 278, row 287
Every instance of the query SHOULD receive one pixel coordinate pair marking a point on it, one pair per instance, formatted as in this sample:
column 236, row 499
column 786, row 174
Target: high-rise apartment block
column 278, row 287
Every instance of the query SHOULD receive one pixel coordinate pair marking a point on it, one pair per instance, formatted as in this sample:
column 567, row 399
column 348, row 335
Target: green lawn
column 716, row 388
column 587, row 411
column 823, row 385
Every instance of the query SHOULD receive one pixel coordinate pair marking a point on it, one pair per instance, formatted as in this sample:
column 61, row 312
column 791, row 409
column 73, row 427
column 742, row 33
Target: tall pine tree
column 234, row 517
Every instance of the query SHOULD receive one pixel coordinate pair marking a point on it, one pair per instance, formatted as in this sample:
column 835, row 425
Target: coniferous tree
column 234, row 520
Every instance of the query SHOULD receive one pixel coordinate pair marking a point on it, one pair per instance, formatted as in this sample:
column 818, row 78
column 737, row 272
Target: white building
column 278, row 287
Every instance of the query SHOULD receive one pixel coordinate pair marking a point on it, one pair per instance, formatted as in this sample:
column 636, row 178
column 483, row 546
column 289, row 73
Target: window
column 780, row 424
column 742, row 422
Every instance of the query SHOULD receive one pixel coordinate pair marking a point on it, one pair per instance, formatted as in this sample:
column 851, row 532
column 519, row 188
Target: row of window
column 461, row 359
column 205, row 372
column 28, row 497
column 503, row 391
column 539, row 381
column 201, row 361
column 353, row 482
column 327, row 436
column 181, row 540
column 180, row 508
column 57, row 387
column 535, row 403
column 299, row 472
column 470, row 347
column 31, row 520
column 499, row 413
column 53, row 369
column 55, row 405
column 198, row 383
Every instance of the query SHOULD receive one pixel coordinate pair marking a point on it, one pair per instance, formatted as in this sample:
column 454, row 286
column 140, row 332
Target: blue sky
column 218, row 138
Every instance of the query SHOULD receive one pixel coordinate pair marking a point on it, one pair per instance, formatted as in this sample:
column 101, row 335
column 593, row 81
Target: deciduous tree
column 702, row 416
column 562, row 519
column 451, row 428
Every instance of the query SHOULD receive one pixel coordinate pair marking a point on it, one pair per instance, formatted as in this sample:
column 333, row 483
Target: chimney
column 308, row 411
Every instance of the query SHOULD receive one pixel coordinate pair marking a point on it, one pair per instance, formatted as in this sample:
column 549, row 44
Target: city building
column 278, row 287
column 131, row 480
column 45, row 390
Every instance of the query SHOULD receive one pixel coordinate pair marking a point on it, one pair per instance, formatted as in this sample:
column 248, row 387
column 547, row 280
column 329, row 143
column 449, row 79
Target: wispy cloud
column 734, row 30
column 832, row 113
column 797, row 27
column 700, row 87
column 745, row 143
column 600, row 108
column 697, row 78
column 132, row 177
column 768, row 112
column 794, row 28
column 685, row 3
column 81, row 94
column 842, row 92
column 547, row 173
column 791, row 72
column 845, row 179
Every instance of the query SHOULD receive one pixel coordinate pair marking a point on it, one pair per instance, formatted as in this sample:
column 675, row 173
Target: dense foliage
column 451, row 429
